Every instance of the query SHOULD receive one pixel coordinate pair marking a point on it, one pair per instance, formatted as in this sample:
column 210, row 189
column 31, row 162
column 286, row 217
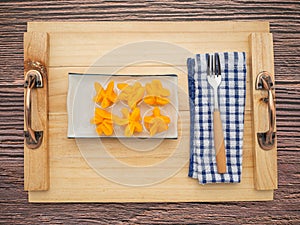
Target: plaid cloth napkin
column 232, row 91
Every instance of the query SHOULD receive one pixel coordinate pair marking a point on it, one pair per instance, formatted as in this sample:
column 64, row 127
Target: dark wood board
column 284, row 21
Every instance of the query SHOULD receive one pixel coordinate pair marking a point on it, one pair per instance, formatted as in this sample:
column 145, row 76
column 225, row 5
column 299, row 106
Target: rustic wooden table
column 284, row 21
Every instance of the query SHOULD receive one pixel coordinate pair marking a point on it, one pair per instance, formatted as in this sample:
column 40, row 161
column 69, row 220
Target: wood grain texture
column 36, row 161
column 265, row 161
column 284, row 20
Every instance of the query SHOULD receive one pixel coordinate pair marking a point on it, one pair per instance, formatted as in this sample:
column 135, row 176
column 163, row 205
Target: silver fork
column 214, row 79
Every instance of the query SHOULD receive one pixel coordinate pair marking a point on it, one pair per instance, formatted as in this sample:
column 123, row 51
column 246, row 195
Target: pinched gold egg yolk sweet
column 156, row 94
column 131, row 94
column 156, row 123
column 132, row 121
column 105, row 97
column 103, row 121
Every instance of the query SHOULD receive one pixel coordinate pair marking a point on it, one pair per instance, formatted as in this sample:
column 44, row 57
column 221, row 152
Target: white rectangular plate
column 81, row 106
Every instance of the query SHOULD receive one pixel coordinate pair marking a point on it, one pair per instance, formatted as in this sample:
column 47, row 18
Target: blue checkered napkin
column 232, row 91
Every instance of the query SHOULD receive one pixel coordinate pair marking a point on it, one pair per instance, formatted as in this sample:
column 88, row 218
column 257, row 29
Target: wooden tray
column 57, row 170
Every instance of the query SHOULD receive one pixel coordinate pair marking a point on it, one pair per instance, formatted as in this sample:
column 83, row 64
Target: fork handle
column 219, row 143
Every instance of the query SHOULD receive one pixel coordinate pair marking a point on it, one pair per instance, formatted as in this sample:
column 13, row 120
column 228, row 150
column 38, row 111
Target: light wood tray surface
column 75, row 47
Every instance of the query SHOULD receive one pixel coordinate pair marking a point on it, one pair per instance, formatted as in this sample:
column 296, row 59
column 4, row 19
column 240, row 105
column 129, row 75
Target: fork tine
column 208, row 65
column 211, row 64
column 212, row 60
column 217, row 65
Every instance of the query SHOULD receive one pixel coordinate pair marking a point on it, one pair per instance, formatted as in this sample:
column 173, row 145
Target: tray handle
column 33, row 79
column 266, row 139
column 36, row 152
column 264, row 143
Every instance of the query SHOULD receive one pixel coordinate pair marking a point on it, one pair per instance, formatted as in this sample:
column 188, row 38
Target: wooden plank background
column 284, row 20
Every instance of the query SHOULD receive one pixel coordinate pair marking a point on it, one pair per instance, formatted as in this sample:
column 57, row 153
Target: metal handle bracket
column 33, row 79
column 266, row 139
